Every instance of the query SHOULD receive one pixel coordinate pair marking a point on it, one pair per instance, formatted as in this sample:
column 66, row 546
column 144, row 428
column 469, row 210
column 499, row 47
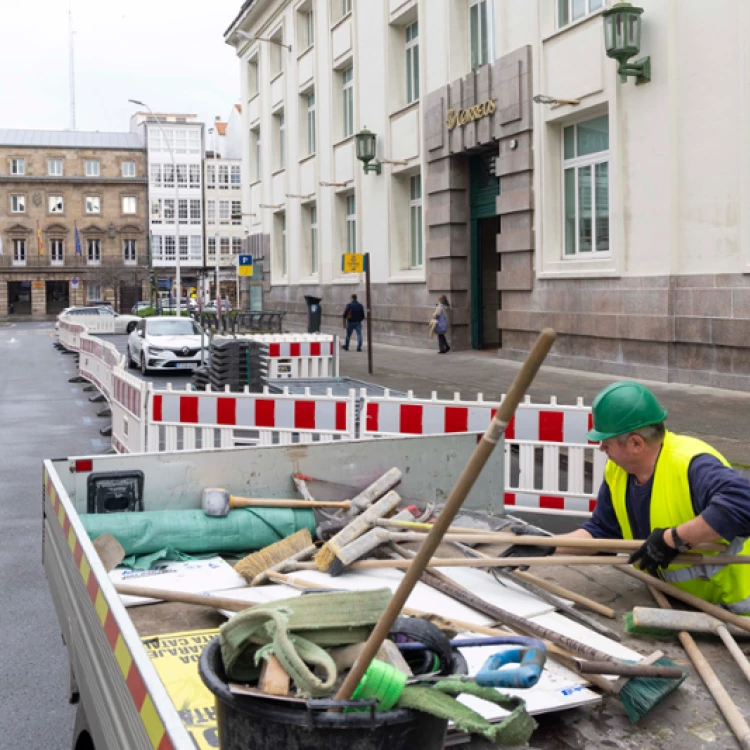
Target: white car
column 123, row 323
column 166, row 343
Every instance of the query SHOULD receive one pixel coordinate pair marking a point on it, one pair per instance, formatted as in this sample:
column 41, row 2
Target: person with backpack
column 354, row 314
column 439, row 323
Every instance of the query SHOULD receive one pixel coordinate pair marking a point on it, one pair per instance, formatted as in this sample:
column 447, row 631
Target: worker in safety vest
column 671, row 490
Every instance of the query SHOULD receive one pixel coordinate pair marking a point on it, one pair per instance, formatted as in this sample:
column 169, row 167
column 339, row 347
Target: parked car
column 123, row 323
column 138, row 306
column 169, row 305
column 99, row 303
column 211, row 306
column 166, row 343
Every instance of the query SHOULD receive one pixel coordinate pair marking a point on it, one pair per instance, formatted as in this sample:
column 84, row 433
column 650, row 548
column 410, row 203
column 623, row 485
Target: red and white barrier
column 128, row 404
column 185, row 420
column 72, row 326
column 310, row 355
column 96, row 362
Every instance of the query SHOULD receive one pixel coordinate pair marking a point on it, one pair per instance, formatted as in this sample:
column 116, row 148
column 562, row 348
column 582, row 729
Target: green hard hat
column 623, row 407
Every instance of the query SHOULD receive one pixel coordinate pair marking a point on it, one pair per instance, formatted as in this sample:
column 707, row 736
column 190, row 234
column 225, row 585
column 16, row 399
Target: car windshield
column 173, row 328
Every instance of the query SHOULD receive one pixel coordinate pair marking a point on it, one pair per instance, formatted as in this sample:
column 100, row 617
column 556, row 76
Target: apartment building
column 175, row 151
column 223, row 204
column 516, row 171
column 72, row 220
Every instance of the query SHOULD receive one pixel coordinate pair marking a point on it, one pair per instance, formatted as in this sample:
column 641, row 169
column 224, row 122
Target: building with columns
column 613, row 212
column 72, row 220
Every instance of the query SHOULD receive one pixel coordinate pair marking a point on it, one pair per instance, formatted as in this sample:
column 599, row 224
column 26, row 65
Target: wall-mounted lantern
column 622, row 40
column 366, row 142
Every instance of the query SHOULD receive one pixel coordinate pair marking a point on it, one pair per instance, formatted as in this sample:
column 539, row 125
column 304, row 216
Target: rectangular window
column 156, row 175
column 284, row 259
column 55, row 204
column 313, row 239
column 571, row 10
column 252, row 76
column 182, row 175
column 93, row 291
column 351, row 224
column 223, row 177
column 586, row 187
column 17, row 166
column 54, row 167
column 237, row 213
column 236, row 245
column 210, row 175
column 168, row 204
column 129, row 204
column 195, row 175
column 92, row 167
column 169, row 253
column 184, row 248
column 17, row 204
column 258, row 162
column 194, row 142
column 180, row 139
column 57, row 252
column 416, row 255
column 156, row 251
column 412, row 62
column 211, row 212
column 128, row 251
column 309, row 28
column 223, row 212
column 195, row 247
column 348, row 92
column 225, row 247
column 128, row 169
column 156, row 211
column 236, row 177
column 94, row 252
column 19, row 252
column 276, row 51
column 481, row 32
column 310, row 124
column 93, row 204
column 346, row 7
column 168, row 175
column 282, row 141
column 195, row 211
column 155, row 141
column 212, row 249
column 182, row 211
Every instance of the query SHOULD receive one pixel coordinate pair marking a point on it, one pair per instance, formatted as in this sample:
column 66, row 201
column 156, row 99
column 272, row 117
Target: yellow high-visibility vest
column 672, row 505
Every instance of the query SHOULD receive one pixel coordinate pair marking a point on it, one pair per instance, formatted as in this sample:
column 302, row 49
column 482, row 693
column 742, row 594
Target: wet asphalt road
column 42, row 415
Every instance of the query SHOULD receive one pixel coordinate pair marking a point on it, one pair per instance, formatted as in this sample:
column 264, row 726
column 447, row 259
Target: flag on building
column 78, row 241
column 39, row 238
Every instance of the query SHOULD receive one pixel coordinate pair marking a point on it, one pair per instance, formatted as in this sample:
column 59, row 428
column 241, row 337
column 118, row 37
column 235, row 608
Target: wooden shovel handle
column 279, row 502
column 216, row 602
column 452, row 505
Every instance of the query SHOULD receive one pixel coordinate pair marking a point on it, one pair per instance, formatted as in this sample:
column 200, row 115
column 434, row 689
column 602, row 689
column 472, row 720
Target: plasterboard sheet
column 192, row 577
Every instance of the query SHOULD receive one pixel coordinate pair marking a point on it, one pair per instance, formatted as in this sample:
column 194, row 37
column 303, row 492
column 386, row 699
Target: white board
column 192, row 577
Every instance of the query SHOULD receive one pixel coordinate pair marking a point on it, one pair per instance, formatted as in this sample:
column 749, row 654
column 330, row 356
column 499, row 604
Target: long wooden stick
column 478, row 536
column 282, row 502
column 552, row 561
column 167, row 595
column 726, row 705
column 693, row 601
column 453, row 504
column 574, row 596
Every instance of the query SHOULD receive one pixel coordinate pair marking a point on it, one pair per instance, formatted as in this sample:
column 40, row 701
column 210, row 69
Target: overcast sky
column 167, row 53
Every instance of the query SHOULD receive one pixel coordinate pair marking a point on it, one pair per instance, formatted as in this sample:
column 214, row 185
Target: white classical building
column 223, row 203
column 615, row 212
column 175, row 189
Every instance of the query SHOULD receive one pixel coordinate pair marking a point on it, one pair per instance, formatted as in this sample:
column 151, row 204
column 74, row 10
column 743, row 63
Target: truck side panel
column 125, row 702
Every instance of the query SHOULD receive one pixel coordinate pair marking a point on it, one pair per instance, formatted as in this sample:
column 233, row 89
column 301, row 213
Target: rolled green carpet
column 193, row 532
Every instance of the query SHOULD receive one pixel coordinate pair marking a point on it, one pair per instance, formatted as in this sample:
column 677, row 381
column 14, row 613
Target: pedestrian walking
column 439, row 323
column 354, row 314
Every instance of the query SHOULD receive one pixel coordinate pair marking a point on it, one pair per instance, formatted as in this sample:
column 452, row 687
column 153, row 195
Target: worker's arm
column 695, row 531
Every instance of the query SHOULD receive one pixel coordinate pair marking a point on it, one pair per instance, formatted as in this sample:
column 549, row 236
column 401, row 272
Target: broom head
column 278, row 552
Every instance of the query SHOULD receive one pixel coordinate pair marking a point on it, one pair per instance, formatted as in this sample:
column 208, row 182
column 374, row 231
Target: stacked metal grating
column 236, row 363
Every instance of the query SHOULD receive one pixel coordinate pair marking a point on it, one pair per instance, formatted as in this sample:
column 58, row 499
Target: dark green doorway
column 58, row 297
column 485, row 225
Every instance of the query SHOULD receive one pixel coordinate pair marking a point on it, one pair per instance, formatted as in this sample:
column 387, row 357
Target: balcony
column 70, row 262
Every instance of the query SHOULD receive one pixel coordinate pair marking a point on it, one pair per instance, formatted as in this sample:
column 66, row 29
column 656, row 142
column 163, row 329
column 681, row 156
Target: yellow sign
column 175, row 657
column 353, row 263
column 465, row 116
column 245, row 265
column 37, row 285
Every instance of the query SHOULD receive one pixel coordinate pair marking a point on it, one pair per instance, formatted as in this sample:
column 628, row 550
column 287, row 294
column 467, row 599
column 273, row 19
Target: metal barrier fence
column 128, row 404
column 188, row 420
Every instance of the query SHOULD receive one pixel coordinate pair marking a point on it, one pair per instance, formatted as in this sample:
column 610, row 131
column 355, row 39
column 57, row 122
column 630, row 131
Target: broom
column 276, row 556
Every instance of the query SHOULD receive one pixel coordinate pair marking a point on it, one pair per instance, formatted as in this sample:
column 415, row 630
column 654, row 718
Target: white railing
column 97, row 361
column 128, row 404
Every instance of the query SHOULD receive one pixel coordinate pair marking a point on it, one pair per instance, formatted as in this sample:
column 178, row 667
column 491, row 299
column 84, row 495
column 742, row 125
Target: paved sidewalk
column 720, row 417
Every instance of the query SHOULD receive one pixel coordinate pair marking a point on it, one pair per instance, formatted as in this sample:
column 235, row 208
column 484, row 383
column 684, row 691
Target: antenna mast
column 72, row 72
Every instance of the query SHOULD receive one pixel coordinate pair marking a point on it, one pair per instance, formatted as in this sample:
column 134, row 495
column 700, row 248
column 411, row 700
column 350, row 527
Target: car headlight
column 155, row 350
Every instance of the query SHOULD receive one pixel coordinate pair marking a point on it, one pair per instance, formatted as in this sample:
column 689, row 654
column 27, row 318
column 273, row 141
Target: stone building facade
column 72, row 220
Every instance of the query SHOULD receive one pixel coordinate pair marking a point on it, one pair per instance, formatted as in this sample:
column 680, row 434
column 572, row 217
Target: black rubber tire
column 431, row 636
column 144, row 369
column 131, row 365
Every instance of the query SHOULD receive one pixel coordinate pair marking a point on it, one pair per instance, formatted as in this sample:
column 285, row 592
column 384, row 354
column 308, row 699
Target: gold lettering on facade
column 465, row 116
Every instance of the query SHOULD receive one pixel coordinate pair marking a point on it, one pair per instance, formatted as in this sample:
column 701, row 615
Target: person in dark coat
column 440, row 324
column 354, row 314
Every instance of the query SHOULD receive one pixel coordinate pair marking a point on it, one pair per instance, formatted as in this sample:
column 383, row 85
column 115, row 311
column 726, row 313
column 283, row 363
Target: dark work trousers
column 443, row 343
column 351, row 328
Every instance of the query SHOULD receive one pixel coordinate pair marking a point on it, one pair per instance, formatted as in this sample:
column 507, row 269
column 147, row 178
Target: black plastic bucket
column 248, row 723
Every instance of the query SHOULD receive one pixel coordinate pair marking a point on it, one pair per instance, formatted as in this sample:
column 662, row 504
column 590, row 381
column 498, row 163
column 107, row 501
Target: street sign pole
column 369, row 313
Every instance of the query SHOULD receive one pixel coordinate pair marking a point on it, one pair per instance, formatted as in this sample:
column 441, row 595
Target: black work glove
column 654, row 553
column 526, row 550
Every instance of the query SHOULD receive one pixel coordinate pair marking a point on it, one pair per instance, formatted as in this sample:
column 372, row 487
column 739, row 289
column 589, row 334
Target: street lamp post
column 178, row 280
column 217, row 237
